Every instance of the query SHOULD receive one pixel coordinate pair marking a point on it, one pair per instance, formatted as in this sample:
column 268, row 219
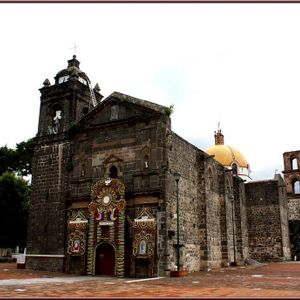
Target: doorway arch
column 105, row 259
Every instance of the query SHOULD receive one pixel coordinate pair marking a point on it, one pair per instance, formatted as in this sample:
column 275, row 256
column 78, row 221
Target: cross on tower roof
column 74, row 48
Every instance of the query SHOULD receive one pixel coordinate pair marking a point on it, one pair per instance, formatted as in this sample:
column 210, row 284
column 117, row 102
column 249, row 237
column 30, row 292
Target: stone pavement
column 267, row 280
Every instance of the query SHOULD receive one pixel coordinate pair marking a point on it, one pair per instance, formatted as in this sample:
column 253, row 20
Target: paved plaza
column 263, row 280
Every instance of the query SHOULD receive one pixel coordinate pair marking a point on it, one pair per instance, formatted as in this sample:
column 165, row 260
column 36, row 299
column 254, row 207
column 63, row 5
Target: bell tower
column 63, row 104
column 67, row 100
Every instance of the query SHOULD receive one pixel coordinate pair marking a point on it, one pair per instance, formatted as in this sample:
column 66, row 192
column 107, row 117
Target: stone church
column 104, row 195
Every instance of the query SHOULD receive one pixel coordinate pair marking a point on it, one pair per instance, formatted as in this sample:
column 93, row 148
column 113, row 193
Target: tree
column 14, row 203
column 18, row 160
column 14, row 193
column 7, row 159
column 24, row 154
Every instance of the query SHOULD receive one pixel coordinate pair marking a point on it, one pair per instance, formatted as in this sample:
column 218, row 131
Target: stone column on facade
column 120, row 245
column 90, row 252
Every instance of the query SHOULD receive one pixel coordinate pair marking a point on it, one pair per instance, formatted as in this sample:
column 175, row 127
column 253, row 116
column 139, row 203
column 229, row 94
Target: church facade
column 104, row 197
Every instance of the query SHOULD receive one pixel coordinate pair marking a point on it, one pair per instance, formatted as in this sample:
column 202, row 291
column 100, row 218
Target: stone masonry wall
column 214, row 194
column 283, row 204
column 240, row 219
column 49, row 264
column 183, row 158
column 125, row 146
column 263, row 212
column 244, row 222
column 294, row 209
column 46, row 229
column 229, row 215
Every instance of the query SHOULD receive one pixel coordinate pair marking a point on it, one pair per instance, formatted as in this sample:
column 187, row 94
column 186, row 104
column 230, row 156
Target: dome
column 72, row 69
column 227, row 155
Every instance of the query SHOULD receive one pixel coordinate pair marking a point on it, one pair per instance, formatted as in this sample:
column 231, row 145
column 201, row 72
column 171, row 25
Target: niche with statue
column 144, row 244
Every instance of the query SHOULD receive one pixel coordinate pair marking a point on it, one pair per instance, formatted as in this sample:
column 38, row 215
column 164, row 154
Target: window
column 294, row 164
column 82, row 80
column 63, row 79
column 296, row 186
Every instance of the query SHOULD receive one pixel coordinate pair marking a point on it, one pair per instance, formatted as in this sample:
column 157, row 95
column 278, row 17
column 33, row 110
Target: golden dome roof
column 226, row 155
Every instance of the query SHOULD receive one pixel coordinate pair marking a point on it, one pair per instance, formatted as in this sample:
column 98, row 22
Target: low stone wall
column 45, row 263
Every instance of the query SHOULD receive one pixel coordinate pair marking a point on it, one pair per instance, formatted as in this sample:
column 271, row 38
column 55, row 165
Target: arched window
column 296, row 186
column 113, row 172
column 294, row 164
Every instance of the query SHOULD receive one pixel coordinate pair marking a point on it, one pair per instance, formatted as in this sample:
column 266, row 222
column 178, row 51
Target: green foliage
column 18, row 160
column 24, row 153
column 170, row 109
column 14, row 203
column 7, row 159
column 14, row 193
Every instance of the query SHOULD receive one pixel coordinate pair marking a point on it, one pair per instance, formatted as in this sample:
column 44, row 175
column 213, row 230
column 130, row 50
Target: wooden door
column 105, row 260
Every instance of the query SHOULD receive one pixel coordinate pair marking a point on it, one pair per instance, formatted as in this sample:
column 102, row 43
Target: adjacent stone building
column 104, row 194
column 267, row 214
column 264, row 206
column 292, row 180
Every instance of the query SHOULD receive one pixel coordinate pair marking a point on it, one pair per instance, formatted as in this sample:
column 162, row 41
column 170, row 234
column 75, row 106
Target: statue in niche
column 143, row 247
column 56, row 122
column 76, row 246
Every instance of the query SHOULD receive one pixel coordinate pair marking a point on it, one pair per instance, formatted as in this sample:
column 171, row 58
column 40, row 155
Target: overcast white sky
column 237, row 63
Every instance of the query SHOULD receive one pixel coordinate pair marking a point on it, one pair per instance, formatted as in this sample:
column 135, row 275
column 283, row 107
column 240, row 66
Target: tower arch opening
column 294, row 163
column 296, row 186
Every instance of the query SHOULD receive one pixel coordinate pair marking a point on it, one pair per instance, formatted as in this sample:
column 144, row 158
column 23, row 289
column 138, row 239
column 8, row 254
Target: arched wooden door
column 105, row 260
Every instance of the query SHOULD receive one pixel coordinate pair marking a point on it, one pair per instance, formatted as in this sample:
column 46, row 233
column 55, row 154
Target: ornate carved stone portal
column 143, row 250
column 106, row 228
